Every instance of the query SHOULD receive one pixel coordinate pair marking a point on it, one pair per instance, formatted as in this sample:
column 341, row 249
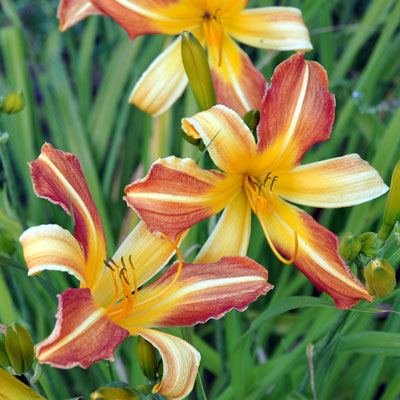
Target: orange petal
column 231, row 235
column 180, row 363
column 53, row 248
column 162, row 83
column 70, row 12
column 140, row 17
column 12, row 388
column 317, row 255
column 280, row 28
column 75, row 338
column 57, row 177
column 338, row 182
column 238, row 84
column 177, row 194
column 202, row 291
column 228, row 139
column 297, row 112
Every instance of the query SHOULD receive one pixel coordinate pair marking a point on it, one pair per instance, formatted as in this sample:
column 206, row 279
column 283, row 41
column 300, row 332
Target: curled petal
column 202, row 291
column 53, row 248
column 317, row 255
column 70, row 12
column 230, row 142
column 162, row 83
column 338, row 182
column 75, row 338
column 57, row 177
column 280, row 28
column 12, row 388
column 180, row 363
column 297, row 112
column 177, row 194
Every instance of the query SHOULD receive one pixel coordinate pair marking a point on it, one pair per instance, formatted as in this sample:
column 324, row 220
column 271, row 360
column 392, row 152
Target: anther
column 273, row 181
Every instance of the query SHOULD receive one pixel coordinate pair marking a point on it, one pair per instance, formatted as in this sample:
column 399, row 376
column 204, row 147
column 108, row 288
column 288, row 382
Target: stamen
column 115, row 299
column 134, row 281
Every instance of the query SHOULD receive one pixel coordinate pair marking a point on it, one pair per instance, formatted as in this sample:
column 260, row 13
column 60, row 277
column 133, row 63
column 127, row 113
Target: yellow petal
column 228, row 139
column 180, row 363
column 53, row 248
column 231, row 235
column 11, row 388
column 338, row 182
column 280, row 28
column 70, row 12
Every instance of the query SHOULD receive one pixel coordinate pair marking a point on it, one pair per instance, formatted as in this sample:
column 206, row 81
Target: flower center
column 213, row 30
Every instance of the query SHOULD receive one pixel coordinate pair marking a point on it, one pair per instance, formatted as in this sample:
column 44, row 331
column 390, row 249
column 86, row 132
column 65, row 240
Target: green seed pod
column 368, row 239
column 392, row 210
column 19, row 348
column 380, row 277
column 4, row 360
column 14, row 102
column 349, row 246
column 147, row 358
column 251, row 119
column 198, row 71
column 111, row 393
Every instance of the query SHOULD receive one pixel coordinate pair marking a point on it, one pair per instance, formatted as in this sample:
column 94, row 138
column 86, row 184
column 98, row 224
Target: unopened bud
column 368, row 239
column 349, row 246
column 251, row 119
column 147, row 358
column 392, row 210
column 13, row 103
column 372, row 251
column 4, row 360
column 160, row 368
column 112, row 393
column 198, row 71
column 19, row 348
column 380, row 277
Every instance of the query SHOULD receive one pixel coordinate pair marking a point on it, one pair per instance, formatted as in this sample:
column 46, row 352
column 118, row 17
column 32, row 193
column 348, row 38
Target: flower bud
column 380, row 277
column 19, row 348
column 372, row 251
column 349, row 246
column 147, row 358
column 13, row 103
column 112, row 393
column 392, row 210
column 198, row 71
column 4, row 360
column 251, row 119
column 368, row 239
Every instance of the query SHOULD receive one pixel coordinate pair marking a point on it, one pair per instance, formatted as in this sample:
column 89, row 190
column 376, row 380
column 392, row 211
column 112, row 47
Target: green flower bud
column 19, row 348
column 111, row 393
column 198, row 71
column 368, row 239
column 380, row 277
column 251, row 119
column 349, row 246
column 160, row 368
column 147, row 358
column 13, row 103
column 4, row 360
column 392, row 210
column 372, row 251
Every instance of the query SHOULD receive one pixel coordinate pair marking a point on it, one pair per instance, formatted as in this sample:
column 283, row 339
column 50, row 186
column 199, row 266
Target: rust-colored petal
column 180, row 363
column 317, row 255
column 201, row 292
column 297, row 112
column 70, row 12
column 57, row 177
column 75, row 338
column 177, row 194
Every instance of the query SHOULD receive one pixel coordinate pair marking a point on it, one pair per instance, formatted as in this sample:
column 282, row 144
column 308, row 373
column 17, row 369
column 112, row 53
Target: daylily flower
column 238, row 83
column 297, row 112
column 94, row 319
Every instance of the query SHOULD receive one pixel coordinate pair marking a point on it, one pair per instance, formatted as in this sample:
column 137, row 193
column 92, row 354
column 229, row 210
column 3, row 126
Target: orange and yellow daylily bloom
column 111, row 302
column 266, row 177
column 238, row 84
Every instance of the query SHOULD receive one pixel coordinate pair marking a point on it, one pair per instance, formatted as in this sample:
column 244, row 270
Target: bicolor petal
column 317, row 256
column 238, row 84
column 200, row 292
column 162, row 83
column 231, row 235
column 50, row 247
column 57, row 177
column 139, row 17
column 180, row 363
column 338, row 182
column 75, row 338
column 228, row 140
column 279, row 28
column 177, row 194
column 297, row 112
column 70, row 12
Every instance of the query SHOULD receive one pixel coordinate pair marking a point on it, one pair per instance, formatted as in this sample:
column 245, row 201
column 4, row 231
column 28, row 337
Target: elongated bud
column 380, row 277
column 349, row 246
column 13, row 103
column 4, row 360
column 251, row 119
column 392, row 210
column 147, row 358
column 198, row 71
column 368, row 239
column 112, row 393
column 19, row 348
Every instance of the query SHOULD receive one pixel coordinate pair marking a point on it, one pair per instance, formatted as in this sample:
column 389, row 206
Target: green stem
column 111, row 370
column 187, row 335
